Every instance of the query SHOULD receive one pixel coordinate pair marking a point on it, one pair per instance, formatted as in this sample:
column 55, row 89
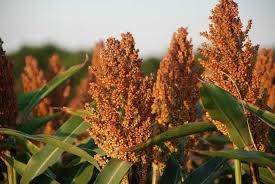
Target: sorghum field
column 192, row 120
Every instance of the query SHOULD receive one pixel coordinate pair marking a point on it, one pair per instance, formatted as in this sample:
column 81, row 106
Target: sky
column 77, row 24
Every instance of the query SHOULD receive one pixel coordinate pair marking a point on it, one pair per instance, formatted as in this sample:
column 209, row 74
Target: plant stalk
column 238, row 172
column 155, row 174
column 254, row 172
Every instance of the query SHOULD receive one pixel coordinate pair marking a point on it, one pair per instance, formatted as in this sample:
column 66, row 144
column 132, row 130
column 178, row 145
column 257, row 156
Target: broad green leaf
column 172, row 133
column 265, row 175
column 36, row 123
column 51, row 86
column 20, row 167
column 207, row 172
column 24, row 99
column 53, row 141
column 84, row 174
column 49, row 154
column 260, row 158
column 266, row 116
column 172, row 173
column 222, row 106
column 113, row 172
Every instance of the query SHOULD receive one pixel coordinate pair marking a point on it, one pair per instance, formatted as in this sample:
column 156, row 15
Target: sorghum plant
column 229, row 64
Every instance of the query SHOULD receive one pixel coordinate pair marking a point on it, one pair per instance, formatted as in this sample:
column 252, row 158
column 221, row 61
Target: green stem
column 155, row 174
column 238, row 172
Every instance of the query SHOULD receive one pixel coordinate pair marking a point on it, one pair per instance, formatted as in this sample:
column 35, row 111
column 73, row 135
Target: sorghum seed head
column 265, row 65
column 123, row 98
column 176, row 90
column 229, row 57
column 7, row 93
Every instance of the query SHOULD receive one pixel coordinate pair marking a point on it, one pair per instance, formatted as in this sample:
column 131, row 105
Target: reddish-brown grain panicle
column 265, row 65
column 229, row 61
column 32, row 79
column 95, row 62
column 7, row 94
column 123, row 98
column 176, row 89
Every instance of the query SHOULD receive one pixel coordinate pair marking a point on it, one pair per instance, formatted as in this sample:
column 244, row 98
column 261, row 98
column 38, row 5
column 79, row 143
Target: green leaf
column 24, row 99
column 50, row 87
column 222, row 106
column 172, row 173
column 28, row 145
column 49, row 154
column 113, row 172
column 84, row 174
column 265, row 175
column 53, row 141
column 260, row 158
column 172, row 133
column 36, row 123
column 266, row 116
column 271, row 140
column 217, row 140
column 207, row 172
column 20, row 167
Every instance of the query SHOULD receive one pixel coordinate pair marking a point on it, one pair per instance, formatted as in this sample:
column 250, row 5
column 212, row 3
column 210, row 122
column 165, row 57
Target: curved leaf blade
column 24, row 99
column 49, row 154
column 84, row 174
column 172, row 133
column 51, row 86
column 173, row 172
column 260, row 158
column 207, row 171
column 266, row 116
column 113, row 172
column 222, row 106
column 20, row 168
column 53, row 141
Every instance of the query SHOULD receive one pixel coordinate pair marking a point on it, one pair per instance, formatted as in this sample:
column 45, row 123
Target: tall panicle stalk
column 7, row 94
column 229, row 64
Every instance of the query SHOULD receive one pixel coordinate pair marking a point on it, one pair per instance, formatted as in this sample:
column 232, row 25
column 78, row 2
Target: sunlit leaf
column 260, row 158
column 84, row 174
column 113, row 172
column 223, row 107
column 172, row 133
